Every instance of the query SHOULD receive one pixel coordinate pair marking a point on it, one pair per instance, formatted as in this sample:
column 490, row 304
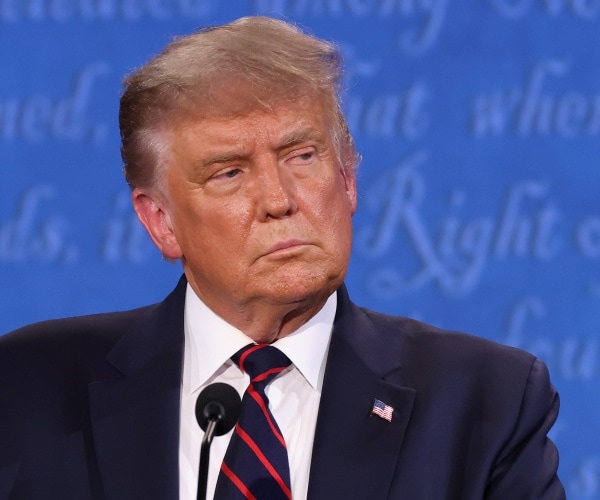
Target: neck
column 263, row 321
column 265, row 325
column 267, row 328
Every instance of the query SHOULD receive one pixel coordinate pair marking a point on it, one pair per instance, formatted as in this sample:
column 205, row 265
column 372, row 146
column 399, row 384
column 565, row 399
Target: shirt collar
column 210, row 341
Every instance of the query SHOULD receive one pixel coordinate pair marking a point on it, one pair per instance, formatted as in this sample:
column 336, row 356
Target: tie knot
column 261, row 362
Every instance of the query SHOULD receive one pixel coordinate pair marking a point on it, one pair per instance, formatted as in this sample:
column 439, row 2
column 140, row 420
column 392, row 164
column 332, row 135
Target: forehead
column 282, row 122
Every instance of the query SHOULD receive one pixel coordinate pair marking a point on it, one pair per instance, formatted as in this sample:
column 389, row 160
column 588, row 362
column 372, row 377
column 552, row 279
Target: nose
column 275, row 191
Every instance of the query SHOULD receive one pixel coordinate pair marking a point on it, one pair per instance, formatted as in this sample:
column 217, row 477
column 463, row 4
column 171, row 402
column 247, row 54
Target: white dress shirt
column 293, row 396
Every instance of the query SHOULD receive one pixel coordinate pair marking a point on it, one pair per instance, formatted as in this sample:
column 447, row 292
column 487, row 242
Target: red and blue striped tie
column 256, row 462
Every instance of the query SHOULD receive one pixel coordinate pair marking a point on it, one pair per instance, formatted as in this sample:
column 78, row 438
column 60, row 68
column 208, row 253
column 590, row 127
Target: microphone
column 218, row 408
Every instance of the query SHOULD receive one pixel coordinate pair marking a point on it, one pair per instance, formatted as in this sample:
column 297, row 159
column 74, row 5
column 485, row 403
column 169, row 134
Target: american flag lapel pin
column 382, row 410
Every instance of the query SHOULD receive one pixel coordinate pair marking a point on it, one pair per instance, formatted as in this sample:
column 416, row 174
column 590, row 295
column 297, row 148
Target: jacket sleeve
column 526, row 467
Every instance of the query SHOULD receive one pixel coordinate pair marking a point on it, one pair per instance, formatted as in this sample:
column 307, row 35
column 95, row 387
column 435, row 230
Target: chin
column 294, row 289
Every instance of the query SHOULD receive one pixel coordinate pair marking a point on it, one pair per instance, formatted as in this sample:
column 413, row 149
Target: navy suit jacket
column 90, row 410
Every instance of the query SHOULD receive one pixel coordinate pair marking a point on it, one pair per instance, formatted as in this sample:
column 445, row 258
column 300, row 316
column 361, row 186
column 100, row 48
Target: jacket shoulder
column 69, row 345
column 429, row 348
column 426, row 333
column 93, row 327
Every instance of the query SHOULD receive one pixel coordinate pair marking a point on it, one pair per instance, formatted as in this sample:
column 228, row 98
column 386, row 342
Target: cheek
column 332, row 211
column 218, row 226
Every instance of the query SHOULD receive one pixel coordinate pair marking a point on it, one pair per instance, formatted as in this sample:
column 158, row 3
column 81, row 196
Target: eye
column 304, row 156
column 225, row 178
column 229, row 173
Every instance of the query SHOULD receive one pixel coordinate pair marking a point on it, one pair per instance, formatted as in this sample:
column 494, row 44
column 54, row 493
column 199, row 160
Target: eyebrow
column 288, row 140
column 224, row 157
column 298, row 136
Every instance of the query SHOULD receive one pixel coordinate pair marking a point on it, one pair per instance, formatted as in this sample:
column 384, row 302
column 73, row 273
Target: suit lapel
column 135, row 414
column 355, row 454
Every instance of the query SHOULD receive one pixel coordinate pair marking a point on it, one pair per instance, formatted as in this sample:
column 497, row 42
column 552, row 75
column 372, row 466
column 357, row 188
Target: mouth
column 285, row 247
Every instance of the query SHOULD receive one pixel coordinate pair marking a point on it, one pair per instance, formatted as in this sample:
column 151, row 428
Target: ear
column 152, row 213
column 350, row 182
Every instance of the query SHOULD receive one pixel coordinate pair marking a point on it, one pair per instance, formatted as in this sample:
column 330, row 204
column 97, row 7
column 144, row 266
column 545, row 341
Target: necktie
column 256, row 463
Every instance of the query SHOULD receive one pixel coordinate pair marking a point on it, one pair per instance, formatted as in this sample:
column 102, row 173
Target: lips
column 282, row 246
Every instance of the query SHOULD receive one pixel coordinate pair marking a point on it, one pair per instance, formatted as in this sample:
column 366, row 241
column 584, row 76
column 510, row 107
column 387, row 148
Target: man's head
column 254, row 62
column 242, row 166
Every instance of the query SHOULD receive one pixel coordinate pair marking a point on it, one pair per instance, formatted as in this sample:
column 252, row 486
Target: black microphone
column 218, row 408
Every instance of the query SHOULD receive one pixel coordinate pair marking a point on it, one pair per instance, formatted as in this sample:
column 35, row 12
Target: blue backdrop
column 479, row 208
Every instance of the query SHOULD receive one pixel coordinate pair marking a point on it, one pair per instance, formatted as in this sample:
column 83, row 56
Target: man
column 242, row 167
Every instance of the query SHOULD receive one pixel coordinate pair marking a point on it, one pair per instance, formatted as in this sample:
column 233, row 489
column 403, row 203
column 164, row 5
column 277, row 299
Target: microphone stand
column 218, row 408
column 205, row 457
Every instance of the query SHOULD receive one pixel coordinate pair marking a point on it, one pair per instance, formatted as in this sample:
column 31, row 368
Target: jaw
column 278, row 305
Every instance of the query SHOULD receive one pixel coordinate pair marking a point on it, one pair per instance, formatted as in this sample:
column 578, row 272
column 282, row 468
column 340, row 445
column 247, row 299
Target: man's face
column 259, row 208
